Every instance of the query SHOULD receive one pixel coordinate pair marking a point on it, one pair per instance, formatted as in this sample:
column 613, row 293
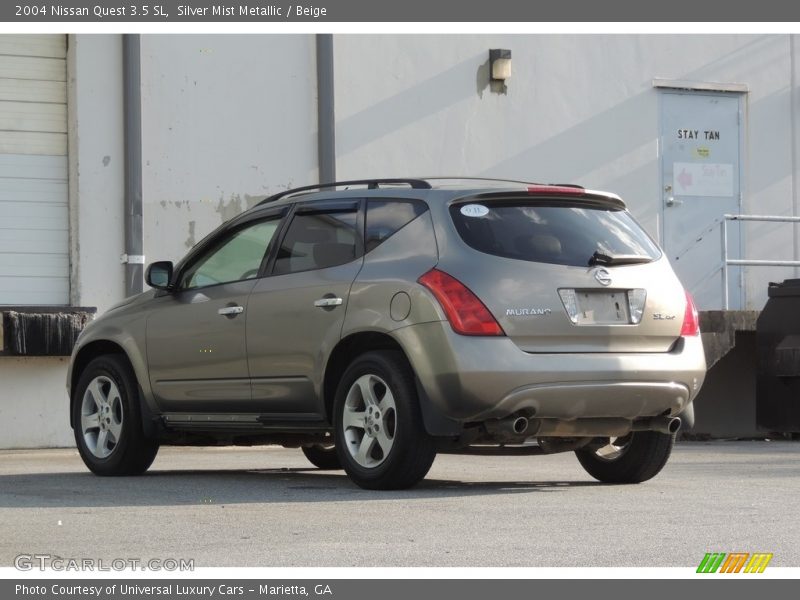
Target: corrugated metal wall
column 34, row 224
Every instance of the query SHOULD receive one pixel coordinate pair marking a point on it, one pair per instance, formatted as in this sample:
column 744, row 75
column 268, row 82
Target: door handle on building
column 669, row 199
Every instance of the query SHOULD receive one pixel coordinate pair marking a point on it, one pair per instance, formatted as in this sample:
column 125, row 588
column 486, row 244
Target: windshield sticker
column 474, row 210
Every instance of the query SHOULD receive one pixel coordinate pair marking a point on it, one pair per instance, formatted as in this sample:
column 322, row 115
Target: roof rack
column 461, row 178
column 501, row 180
column 372, row 184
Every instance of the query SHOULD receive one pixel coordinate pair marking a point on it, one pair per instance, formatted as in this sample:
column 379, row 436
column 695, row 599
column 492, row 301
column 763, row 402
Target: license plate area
column 602, row 307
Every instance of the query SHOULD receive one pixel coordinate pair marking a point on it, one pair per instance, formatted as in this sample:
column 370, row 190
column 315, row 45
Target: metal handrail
column 726, row 262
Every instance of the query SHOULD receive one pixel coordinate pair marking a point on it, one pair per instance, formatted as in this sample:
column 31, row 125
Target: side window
column 238, row 257
column 317, row 240
column 385, row 217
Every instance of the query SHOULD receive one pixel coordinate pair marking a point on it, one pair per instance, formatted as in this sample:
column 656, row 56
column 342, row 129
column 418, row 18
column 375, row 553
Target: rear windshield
column 555, row 232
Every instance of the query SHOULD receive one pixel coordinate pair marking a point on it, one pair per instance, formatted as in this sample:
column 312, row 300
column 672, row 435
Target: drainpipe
column 793, row 95
column 132, row 107
column 326, row 124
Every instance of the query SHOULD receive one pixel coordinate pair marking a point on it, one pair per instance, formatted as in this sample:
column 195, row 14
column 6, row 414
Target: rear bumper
column 471, row 379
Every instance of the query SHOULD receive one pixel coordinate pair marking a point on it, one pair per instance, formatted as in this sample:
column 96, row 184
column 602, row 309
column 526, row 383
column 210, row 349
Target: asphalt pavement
column 270, row 507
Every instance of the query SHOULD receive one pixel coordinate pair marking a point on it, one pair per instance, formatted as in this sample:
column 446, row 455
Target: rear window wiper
column 598, row 258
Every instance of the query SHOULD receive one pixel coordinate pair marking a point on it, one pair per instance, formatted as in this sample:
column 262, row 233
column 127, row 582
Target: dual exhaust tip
column 518, row 425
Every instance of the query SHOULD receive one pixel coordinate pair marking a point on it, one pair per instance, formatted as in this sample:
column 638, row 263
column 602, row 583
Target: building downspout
column 326, row 117
column 132, row 108
column 793, row 96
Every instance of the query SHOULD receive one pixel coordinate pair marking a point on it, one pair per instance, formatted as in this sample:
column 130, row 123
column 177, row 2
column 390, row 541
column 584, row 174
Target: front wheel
column 107, row 420
column 634, row 458
column 323, row 457
column 378, row 428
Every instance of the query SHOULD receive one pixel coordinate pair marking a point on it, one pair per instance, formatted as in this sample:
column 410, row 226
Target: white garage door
column 34, row 226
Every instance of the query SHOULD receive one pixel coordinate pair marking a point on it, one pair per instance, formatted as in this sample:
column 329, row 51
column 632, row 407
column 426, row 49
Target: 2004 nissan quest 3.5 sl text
column 375, row 323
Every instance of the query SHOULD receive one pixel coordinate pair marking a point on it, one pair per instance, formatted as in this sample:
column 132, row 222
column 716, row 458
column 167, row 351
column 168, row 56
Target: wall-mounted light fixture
column 500, row 64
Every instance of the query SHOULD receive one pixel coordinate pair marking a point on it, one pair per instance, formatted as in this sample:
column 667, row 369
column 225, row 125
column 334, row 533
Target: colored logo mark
column 735, row 562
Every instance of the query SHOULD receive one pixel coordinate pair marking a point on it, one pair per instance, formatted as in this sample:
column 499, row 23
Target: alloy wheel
column 101, row 416
column 369, row 422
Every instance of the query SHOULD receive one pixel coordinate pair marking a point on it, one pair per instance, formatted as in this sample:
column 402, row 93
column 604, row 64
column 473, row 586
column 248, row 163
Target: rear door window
column 318, row 239
column 559, row 233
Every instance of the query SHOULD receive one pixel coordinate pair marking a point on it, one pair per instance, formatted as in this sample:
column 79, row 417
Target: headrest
column 313, row 235
column 539, row 244
column 332, row 254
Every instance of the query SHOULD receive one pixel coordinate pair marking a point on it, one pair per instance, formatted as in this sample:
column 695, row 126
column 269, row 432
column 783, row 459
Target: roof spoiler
column 561, row 192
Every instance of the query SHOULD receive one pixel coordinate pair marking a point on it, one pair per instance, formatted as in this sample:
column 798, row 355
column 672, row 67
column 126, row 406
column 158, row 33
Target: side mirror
column 159, row 275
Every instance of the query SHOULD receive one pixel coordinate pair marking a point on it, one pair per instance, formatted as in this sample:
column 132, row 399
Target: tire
column 108, row 388
column 322, row 457
column 378, row 429
column 637, row 457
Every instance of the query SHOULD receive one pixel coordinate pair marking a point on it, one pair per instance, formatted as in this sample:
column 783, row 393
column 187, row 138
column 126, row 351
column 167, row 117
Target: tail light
column 465, row 312
column 691, row 321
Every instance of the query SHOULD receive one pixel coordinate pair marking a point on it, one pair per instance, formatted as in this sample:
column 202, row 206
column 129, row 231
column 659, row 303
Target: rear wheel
column 378, row 428
column 323, row 457
column 634, row 458
column 107, row 420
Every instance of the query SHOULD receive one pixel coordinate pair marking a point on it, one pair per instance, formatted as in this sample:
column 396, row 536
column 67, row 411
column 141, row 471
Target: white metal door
column 700, row 167
column 34, row 223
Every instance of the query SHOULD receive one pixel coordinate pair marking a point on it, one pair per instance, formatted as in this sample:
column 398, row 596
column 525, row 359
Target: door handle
column 231, row 311
column 669, row 198
column 672, row 201
column 327, row 302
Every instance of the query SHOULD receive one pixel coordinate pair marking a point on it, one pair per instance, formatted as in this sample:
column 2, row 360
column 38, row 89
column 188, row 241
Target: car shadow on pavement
column 230, row 487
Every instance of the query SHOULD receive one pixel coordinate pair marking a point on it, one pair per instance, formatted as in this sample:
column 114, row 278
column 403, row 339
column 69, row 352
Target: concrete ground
column 269, row 507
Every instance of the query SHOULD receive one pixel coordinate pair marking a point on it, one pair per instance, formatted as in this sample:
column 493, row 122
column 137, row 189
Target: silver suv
column 376, row 323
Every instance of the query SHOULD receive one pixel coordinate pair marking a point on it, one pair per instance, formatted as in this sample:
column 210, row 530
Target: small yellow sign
column 702, row 152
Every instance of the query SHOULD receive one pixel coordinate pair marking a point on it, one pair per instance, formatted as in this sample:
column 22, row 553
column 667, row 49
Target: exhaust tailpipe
column 659, row 424
column 520, row 425
column 508, row 427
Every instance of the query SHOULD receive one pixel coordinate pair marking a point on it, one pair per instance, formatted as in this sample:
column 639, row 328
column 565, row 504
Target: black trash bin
column 778, row 347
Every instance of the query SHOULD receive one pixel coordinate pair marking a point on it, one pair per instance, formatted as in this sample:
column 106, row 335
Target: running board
column 301, row 423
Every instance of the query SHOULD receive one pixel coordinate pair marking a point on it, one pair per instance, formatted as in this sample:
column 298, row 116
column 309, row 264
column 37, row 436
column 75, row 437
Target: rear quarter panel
column 389, row 278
